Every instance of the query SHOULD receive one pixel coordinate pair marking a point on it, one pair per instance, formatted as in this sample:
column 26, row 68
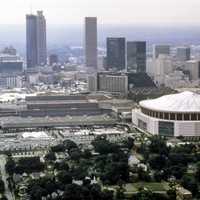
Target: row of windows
column 172, row 116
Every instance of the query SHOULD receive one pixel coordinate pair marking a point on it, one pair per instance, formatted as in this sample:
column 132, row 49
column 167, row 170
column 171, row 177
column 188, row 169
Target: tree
column 158, row 162
column 103, row 146
column 144, row 194
column 73, row 192
column 10, row 166
column 2, row 186
column 197, row 173
column 68, row 144
column 120, row 193
column 29, row 165
column 178, row 171
column 87, row 154
column 62, row 165
column 158, row 176
column 37, row 193
column 114, row 172
column 58, row 148
column 172, row 191
column 64, row 177
column 75, row 154
column 4, row 198
column 107, row 195
column 143, row 175
column 50, row 156
column 158, row 145
column 190, row 183
column 50, row 186
column 128, row 143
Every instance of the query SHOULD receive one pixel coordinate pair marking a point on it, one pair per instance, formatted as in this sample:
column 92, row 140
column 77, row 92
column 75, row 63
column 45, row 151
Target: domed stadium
column 170, row 115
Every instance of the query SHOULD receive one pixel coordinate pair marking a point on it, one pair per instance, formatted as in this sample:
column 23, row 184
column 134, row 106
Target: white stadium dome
column 183, row 102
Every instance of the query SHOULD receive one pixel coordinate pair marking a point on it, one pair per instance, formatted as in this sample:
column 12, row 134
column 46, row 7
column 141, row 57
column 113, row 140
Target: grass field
column 153, row 186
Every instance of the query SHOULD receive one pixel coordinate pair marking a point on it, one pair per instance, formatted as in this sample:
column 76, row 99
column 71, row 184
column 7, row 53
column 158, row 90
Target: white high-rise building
column 193, row 67
column 163, row 66
column 90, row 46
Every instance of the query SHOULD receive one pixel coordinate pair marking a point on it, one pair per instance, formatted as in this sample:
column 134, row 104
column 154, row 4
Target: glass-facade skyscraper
column 136, row 56
column 116, row 51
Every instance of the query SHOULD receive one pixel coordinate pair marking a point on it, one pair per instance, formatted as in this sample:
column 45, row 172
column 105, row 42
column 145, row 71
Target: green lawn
column 154, row 187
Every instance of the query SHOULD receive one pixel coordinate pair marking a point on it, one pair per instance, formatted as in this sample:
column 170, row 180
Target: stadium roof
column 182, row 102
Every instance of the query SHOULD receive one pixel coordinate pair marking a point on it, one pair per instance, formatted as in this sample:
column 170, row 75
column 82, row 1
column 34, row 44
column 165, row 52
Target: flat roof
column 28, row 122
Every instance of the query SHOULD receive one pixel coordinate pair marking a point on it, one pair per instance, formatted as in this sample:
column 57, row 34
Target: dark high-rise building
column 136, row 56
column 31, row 40
column 90, row 46
column 116, row 54
column 183, row 53
column 36, row 51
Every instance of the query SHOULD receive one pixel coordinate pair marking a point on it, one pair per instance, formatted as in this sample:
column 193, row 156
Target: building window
column 186, row 117
column 157, row 116
column 166, row 129
column 172, row 116
column 193, row 116
column 166, row 115
column 142, row 124
column 179, row 116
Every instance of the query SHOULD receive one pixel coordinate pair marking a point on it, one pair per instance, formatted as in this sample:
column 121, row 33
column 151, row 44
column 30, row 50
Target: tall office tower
column 183, row 53
column 41, row 39
column 136, row 56
column 36, row 51
column 90, row 46
column 31, row 40
column 160, row 49
column 116, row 53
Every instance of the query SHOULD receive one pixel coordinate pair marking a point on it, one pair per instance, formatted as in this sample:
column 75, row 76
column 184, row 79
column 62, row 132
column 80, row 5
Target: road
column 4, row 175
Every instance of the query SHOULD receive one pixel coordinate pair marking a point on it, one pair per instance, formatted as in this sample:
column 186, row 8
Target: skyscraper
column 36, row 50
column 90, row 46
column 160, row 49
column 41, row 39
column 116, row 54
column 183, row 53
column 136, row 56
column 31, row 40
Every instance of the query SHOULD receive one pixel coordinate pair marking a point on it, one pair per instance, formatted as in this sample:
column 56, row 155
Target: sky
column 152, row 12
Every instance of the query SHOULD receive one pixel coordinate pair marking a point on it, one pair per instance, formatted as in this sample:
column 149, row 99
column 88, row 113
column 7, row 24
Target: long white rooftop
column 181, row 102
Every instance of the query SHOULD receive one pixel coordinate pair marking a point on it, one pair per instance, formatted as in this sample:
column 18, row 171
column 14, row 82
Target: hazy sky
column 107, row 11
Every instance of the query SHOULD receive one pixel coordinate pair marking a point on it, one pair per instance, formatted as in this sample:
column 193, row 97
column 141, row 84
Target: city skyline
column 134, row 12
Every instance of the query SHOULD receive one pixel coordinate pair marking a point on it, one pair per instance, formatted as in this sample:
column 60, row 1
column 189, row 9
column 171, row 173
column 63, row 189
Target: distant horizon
column 178, row 25
column 72, row 35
